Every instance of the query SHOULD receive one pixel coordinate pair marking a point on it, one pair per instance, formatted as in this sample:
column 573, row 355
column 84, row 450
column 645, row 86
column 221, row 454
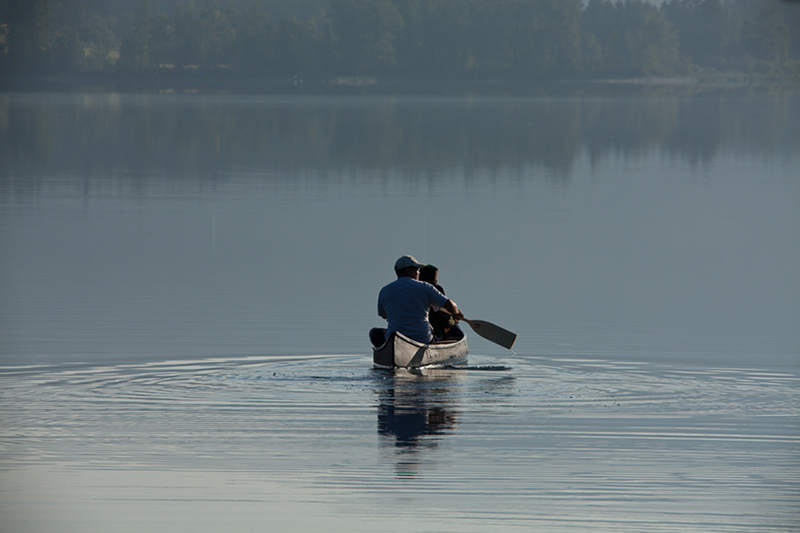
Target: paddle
column 489, row 331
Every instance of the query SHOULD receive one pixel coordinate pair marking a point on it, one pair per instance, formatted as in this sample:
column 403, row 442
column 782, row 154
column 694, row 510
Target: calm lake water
column 187, row 282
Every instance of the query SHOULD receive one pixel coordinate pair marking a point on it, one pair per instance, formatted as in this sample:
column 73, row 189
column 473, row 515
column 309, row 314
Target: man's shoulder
column 421, row 285
column 392, row 283
column 408, row 285
column 407, row 282
column 393, row 286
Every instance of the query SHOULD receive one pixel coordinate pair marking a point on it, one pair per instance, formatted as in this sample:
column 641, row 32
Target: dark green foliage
column 766, row 38
column 633, row 38
column 416, row 39
column 435, row 39
column 30, row 33
column 366, row 31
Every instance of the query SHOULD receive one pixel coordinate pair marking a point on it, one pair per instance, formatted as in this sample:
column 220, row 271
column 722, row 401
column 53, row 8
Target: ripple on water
column 560, row 444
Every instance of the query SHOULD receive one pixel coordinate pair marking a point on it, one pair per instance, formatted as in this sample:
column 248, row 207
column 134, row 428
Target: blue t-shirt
column 405, row 302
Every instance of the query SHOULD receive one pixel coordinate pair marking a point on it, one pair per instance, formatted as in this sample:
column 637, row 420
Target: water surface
column 187, row 282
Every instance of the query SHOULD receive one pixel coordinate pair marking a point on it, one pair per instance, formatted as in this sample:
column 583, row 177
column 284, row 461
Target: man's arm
column 381, row 310
column 451, row 307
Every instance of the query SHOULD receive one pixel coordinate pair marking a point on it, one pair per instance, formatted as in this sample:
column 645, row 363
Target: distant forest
column 402, row 39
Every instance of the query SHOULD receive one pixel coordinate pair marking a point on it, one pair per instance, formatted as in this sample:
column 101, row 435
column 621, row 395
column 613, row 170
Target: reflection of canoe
column 401, row 352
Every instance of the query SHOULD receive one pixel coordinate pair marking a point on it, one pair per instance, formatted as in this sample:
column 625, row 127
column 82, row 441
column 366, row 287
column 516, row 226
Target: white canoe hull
column 401, row 352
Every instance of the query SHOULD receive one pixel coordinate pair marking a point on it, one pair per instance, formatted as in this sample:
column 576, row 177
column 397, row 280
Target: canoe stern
column 400, row 351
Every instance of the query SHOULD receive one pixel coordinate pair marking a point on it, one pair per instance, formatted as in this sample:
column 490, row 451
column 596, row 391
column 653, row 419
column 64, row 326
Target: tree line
column 409, row 39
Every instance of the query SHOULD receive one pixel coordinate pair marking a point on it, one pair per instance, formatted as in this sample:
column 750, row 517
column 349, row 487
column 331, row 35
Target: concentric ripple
column 556, row 444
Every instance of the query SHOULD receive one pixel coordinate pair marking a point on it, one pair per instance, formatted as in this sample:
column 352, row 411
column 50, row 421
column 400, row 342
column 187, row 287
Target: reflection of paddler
column 408, row 423
column 405, row 411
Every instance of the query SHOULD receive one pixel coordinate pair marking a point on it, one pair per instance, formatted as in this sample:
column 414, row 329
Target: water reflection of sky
column 187, row 283
column 160, row 225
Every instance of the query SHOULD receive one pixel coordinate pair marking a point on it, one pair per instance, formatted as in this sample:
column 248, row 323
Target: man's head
column 407, row 266
column 430, row 274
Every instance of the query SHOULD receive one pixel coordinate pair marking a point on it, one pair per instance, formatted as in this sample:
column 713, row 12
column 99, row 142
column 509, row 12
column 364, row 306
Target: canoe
column 398, row 351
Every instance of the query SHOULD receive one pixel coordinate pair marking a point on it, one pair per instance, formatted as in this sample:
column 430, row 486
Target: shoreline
column 222, row 81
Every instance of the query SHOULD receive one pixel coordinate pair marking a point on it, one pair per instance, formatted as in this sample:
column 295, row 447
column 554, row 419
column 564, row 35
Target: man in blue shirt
column 405, row 302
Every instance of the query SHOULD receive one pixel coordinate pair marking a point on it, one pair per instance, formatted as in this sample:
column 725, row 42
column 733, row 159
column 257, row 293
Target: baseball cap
column 407, row 261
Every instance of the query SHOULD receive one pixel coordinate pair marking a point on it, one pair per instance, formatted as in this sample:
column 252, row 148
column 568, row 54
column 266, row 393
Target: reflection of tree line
column 212, row 136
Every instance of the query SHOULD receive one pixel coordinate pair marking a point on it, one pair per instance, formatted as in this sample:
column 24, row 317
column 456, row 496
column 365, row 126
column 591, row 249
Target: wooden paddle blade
column 494, row 333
